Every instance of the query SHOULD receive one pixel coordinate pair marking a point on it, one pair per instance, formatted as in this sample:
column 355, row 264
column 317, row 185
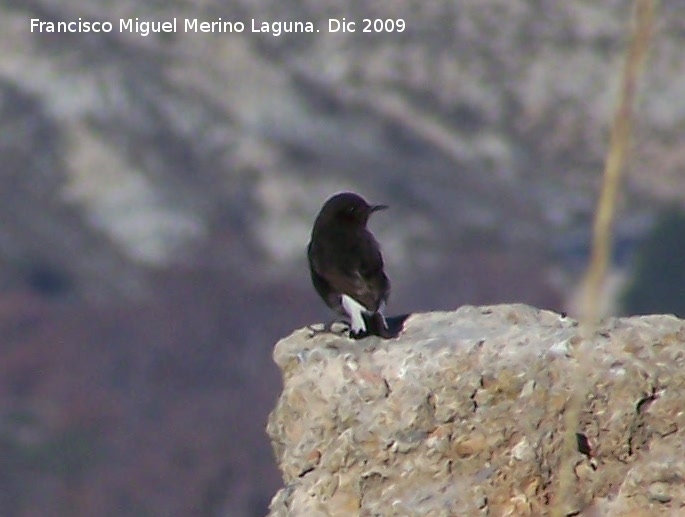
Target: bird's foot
column 361, row 334
column 337, row 327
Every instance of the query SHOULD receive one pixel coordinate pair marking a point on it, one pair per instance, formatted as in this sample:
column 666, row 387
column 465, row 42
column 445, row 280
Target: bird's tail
column 377, row 325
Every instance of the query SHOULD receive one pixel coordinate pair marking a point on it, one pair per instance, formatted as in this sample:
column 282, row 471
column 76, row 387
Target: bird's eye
column 351, row 210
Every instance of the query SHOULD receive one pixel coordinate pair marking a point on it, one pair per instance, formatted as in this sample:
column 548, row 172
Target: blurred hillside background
column 156, row 197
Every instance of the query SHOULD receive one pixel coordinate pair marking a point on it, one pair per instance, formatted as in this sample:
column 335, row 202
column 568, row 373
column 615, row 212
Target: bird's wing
column 376, row 282
column 364, row 280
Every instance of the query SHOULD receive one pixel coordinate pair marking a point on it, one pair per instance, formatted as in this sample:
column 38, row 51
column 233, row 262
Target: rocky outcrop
column 464, row 414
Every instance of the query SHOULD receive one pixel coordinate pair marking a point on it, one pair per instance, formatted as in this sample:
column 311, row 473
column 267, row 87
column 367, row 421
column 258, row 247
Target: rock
column 464, row 414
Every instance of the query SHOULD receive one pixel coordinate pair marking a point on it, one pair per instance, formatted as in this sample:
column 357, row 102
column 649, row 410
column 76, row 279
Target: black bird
column 346, row 264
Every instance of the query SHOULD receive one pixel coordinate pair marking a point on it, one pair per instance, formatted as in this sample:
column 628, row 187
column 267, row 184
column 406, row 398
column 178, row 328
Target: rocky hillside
column 480, row 123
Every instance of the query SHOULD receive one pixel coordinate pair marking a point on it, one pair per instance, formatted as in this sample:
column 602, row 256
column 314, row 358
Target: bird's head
column 348, row 208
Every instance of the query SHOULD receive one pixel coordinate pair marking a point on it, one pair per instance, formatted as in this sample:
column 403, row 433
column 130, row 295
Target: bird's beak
column 376, row 208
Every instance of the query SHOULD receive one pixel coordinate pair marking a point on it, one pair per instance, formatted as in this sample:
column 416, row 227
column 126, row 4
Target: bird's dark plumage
column 346, row 263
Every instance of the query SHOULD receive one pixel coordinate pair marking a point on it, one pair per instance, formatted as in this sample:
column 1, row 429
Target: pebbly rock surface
column 464, row 414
